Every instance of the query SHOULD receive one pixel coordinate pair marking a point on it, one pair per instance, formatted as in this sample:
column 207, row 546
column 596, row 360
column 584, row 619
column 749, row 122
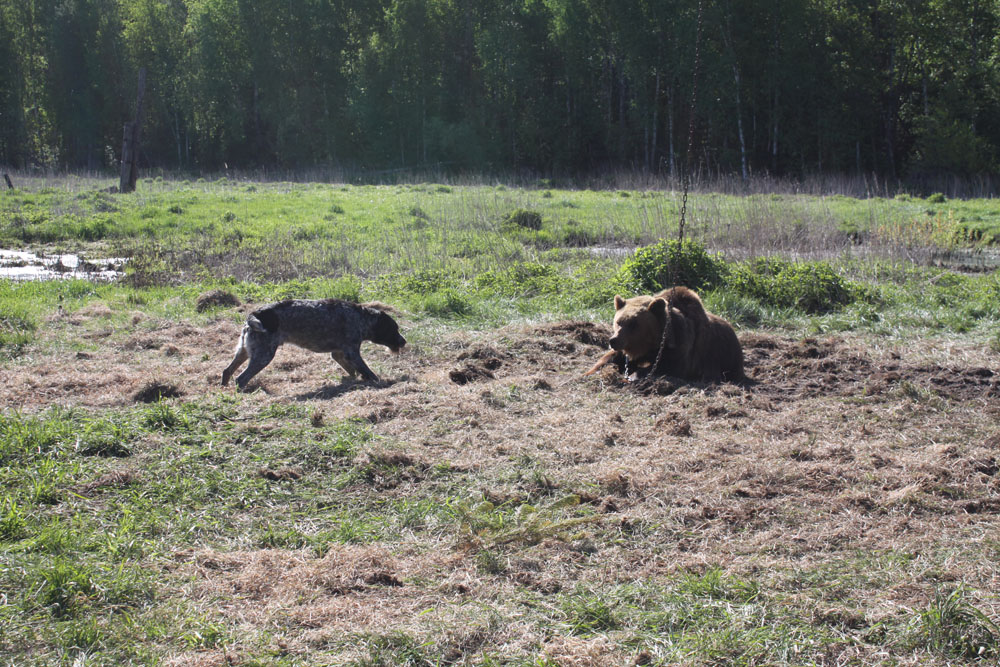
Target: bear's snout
column 616, row 343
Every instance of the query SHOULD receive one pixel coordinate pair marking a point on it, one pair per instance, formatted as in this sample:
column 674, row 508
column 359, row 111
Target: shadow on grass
column 335, row 390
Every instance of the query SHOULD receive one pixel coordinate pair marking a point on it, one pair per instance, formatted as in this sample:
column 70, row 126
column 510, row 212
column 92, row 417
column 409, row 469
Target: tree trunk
column 774, row 137
column 651, row 157
column 177, row 140
column 670, row 131
column 130, row 142
column 739, row 125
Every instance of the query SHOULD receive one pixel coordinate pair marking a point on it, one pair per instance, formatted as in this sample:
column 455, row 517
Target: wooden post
column 130, row 141
column 10, row 186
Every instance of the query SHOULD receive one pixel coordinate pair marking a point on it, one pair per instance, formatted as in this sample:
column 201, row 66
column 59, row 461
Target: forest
column 787, row 88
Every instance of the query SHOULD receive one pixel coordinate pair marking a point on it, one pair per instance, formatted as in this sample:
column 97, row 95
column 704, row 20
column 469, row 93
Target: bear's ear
column 658, row 306
column 619, row 302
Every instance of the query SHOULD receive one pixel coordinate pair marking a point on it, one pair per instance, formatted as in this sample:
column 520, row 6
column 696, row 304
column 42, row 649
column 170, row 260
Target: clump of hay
column 286, row 474
column 113, row 479
column 215, row 298
column 154, row 391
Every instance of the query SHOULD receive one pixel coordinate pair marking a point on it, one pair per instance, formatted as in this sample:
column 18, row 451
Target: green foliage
column 64, row 586
column 491, row 526
column 446, row 303
column 16, row 327
column 812, row 287
column 587, row 614
column 523, row 279
column 668, row 263
column 715, row 584
column 395, row 649
column 23, row 438
column 13, row 524
column 524, row 219
column 382, row 94
column 953, row 627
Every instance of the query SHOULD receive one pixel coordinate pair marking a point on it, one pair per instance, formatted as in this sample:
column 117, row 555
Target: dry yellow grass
column 839, row 446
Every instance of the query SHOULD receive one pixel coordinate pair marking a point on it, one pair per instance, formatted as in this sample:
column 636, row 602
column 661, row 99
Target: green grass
column 88, row 571
column 103, row 511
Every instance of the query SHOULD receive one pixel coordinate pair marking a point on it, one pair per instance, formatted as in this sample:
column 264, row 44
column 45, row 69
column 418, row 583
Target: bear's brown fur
column 697, row 345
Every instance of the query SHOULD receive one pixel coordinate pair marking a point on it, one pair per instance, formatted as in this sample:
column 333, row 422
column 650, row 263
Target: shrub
column 668, row 263
column 937, row 198
column 524, row 218
column 445, row 303
column 813, row 287
column 426, row 281
column 520, row 279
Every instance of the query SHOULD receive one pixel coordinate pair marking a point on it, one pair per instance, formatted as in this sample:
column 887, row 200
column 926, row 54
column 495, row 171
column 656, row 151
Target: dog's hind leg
column 241, row 356
column 261, row 354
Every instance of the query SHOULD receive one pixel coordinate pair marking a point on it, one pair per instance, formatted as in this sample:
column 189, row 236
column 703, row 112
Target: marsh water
column 26, row 265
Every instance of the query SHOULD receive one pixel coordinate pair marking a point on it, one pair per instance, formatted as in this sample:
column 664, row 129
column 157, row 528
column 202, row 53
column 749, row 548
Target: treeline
column 784, row 87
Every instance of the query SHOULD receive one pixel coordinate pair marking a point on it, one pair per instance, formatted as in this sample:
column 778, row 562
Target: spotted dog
column 323, row 325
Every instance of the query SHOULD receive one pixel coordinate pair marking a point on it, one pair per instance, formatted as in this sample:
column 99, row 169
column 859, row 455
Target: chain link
column 686, row 177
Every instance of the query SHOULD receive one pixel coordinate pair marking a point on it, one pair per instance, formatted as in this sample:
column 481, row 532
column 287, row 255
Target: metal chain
column 686, row 177
column 663, row 341
column 659, row 353
column 685, row 180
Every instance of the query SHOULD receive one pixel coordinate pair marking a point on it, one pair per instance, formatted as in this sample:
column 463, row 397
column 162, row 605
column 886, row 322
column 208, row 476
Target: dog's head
column 385, row 331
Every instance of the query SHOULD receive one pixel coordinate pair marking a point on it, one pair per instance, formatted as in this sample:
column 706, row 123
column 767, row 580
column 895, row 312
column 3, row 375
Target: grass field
column 485, row 503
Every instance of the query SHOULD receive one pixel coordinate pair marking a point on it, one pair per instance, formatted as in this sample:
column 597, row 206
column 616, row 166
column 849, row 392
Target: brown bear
column 696, row 345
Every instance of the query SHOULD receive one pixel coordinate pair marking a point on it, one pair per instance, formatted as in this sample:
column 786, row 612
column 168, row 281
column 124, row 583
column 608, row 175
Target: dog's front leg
column 341, row 358
column 354, row 360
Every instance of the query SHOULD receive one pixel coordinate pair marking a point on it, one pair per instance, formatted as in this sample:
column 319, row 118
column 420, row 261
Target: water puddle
column 24, row 265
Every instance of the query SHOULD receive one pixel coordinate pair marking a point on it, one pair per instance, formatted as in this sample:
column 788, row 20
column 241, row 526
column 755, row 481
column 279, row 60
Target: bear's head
column 638, row 325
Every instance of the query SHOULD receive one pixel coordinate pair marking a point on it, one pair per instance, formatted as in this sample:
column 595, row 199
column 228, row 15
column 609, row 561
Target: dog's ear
column 619, row 302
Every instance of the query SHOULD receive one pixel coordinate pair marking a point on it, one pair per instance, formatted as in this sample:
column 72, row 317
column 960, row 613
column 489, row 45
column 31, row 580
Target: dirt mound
column 587, row 333
column 155, row 391
column 811, row 367
column 215, row 298
column 791, row 369
column 479, row 364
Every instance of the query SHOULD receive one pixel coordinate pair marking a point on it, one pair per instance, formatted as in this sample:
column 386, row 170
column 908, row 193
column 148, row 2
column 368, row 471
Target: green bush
column 668, row 263
column 445, row 303
column 813, row 287
column 427, row 281
column 521, row 279
column 524, row 218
